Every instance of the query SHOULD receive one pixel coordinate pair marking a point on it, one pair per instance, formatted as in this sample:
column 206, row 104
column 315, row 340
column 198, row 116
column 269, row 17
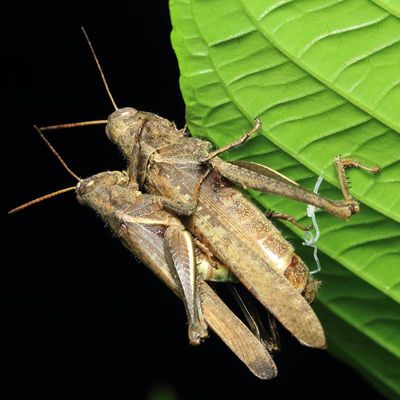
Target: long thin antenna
column 73, row 125
column 54, row 151
column 53, row 194
column 39, row 199
column 99, row 68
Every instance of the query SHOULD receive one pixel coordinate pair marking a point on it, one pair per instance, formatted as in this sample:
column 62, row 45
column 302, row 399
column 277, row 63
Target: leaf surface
column 324, row 78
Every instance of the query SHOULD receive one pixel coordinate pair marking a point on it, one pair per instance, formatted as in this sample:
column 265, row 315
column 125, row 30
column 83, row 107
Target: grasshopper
column 162, row 243
column 200, row 189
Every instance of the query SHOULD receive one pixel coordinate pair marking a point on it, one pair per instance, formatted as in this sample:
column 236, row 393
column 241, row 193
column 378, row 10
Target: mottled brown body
column 185, row 177
column 221, row 217
column 141, row 224
column 234, row 221
column 174, row 171
column 241, row 237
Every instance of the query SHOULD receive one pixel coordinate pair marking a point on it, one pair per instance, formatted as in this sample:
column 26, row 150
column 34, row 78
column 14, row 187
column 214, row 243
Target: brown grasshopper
column 163, row 244
column 198, row 184
column 199, row 187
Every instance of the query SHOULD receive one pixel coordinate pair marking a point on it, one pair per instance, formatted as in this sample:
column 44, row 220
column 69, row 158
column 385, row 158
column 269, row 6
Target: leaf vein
column 275, row 7
column 340, row 32
column 362, row 57
column 385, row 93
column 257, row 71
column 334, row 132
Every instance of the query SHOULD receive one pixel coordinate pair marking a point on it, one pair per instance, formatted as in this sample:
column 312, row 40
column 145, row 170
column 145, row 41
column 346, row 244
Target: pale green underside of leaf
column 352, row 46
column 360, row 318
column 391, row 6
column 373, row 254
column 368, row 244
column 324, row 82
column 232, row 73
column 372, row 362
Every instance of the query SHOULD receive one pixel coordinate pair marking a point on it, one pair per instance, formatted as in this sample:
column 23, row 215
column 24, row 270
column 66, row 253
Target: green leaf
column 324, row 78
column 392, row 6
column 358, row 317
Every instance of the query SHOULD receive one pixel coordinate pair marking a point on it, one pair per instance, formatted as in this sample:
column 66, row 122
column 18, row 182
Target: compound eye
column 84, row 188
column 118, row 122
column 127, row 112
column 123, row 113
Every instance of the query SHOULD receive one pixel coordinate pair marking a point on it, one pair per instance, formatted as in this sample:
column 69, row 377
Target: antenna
column 53, row 194
column 69, row 125
column 73, row 125
column 39, row 199
column 86, row 123
column 99, row 68
column 54, row 151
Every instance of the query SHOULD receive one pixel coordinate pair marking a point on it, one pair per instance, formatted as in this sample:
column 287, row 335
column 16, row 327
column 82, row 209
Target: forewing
column 148, row 246
column 239, row 235
column 236, row 335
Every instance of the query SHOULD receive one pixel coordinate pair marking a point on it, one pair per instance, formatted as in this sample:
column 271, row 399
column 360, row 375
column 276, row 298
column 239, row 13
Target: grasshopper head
column 99, row 189
column 110, row 195
column 122, row 127
column 128, row 126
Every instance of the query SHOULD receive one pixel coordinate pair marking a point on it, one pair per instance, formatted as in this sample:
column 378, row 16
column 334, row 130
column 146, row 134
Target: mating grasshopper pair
column 198, row 186
column 185, row 178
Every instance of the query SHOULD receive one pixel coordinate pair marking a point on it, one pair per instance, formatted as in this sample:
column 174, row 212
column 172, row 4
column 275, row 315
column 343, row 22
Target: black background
column 83, row 319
